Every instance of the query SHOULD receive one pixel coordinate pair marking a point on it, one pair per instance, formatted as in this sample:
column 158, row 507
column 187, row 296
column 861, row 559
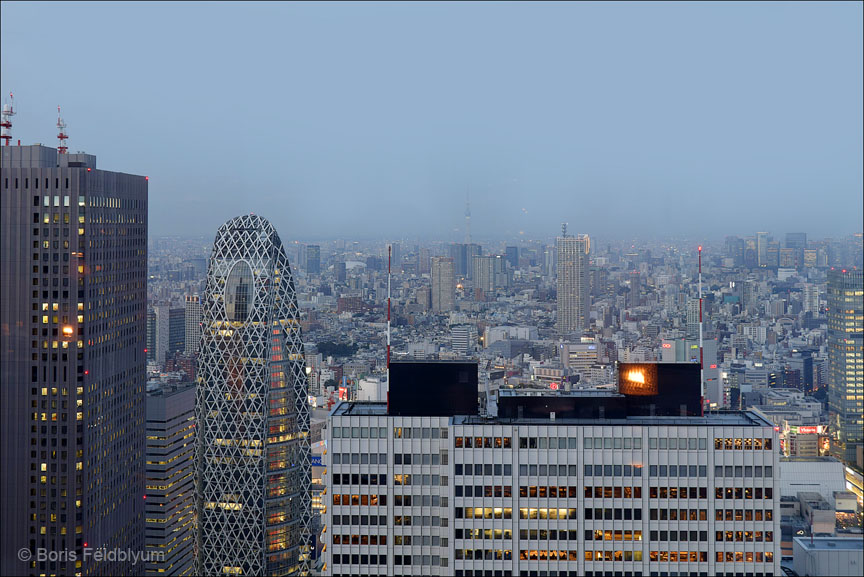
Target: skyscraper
column 193, row 323
column 313, row 259
column 443, row 285
column 573, row 254
column 252, row 410
column 762, row 240
column 170, row 504
column 74, row 307
column 846, row 361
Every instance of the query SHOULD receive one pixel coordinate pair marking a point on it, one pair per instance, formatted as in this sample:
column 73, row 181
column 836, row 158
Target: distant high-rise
column 170, row 504
column 846, row 361
column 193, row 323
column 73, row 274
column 443, row 285
column 762, row 240
column 313, row 259
column 573, row 253
column 512, row 254
column 252, row 410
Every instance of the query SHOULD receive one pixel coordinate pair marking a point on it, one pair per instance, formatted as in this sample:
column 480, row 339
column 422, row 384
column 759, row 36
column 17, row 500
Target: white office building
column 468, row 495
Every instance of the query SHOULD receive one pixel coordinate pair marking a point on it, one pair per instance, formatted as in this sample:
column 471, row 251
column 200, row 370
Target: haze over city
column 377, row 120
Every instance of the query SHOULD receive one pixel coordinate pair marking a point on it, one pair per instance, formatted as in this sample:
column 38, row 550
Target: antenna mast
column 61, row 135
column 701, row 357
column 6, row 124
column 467, row 217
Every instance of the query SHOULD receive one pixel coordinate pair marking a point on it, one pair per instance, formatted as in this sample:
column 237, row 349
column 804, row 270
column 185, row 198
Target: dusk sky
column 363, row 121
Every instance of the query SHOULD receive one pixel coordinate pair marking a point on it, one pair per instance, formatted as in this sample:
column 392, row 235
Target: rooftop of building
column 726, row 418
column 168, row 388
column 822, row 459
column 831, row 543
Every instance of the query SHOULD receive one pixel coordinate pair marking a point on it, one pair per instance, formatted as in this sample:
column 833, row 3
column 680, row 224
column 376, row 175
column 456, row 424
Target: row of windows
column 36, row 185
column 743, row 471
column 364, row 500
column 420, row 521
column 359, row 539
column 432, row 480
column 678, row 492
column 420, row 432
column 483, row 513
column 743, row 493
column 613, row 492
column 678, row 556
column 615, row 442
column 742, row 444
column 483, row 533
column 548, row 555
column 420, row 500
column 360, row 520
column 678, row 535
column 433, row 560
column 744, row 536
column 610, row 514
column 599, row 535
column 549, row 534
column 547, row 513
column 615, row 555
column 359, row 479
column 483, row 442
column 483, row 554
column 359, row 459
column 613, row 470
column 675, row 443
column 360, row 559
column 678, row 470
column 359, row 433
column 484, row 491
column 743, row 515
column 678, row 514
column 741, row 557
column 421, row 540
column 418, row 459
column 477, row 469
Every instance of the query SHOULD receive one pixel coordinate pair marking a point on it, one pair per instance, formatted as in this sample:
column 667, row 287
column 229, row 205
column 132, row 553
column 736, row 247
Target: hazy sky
column 374, row 120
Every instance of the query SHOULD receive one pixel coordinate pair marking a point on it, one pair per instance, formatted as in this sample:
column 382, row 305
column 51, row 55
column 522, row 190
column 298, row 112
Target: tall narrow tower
column 573, row 254
column 252, row 410
column 61, row 134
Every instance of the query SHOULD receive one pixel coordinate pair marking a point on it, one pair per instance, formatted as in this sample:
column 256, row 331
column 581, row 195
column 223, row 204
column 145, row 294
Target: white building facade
column 477, row 496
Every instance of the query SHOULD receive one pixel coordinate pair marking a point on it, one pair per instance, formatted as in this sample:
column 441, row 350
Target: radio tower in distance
column 61, row 135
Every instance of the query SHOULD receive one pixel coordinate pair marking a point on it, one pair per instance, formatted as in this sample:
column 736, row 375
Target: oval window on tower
column 239, row 293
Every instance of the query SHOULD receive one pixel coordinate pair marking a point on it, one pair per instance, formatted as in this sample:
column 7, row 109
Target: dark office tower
column 797, row 242
column 735, row 249
column 511, row 253
column 72, row 367
column 457, row 252
column 176, row 330
column 313, row 259
column 252, row 492
column 471, row 250
column 846, row 361
column 341, row 271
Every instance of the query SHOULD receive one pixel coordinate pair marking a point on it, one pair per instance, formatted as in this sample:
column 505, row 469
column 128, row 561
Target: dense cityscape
column 465, row 401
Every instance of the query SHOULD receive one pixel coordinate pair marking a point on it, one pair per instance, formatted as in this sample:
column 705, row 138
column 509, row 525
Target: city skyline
column 638, row 120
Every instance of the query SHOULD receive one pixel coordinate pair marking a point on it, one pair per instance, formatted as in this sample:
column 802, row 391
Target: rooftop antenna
column 6, row 124
column 389, row 260
column 61, row 135
column 701, row 358
column 468, row 217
